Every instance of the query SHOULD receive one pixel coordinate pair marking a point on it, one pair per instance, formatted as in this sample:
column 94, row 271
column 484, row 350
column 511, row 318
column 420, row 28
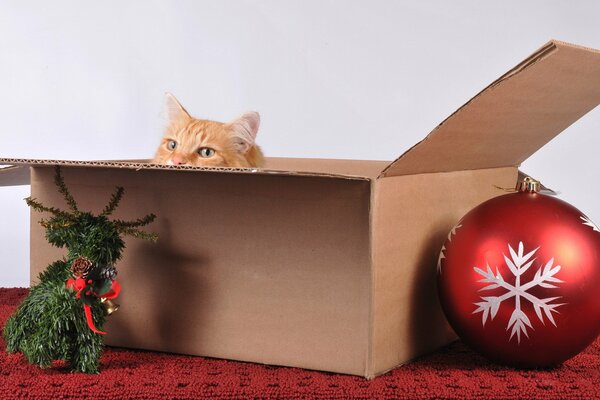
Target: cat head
column 202, row 143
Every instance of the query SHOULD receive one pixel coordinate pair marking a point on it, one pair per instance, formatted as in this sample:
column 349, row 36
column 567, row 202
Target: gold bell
column 109, row 305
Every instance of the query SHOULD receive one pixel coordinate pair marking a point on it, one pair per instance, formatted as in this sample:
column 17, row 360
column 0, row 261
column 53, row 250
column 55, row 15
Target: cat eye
column 206, row 152
column 171, row 145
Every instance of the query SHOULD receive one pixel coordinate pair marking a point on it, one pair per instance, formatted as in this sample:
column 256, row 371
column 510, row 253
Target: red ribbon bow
column 79, row 284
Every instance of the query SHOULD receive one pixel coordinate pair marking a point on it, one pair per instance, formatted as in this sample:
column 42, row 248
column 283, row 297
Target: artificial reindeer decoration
column 63, row 315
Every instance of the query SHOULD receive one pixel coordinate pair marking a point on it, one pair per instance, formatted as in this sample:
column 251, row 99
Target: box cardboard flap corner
column 321, row 264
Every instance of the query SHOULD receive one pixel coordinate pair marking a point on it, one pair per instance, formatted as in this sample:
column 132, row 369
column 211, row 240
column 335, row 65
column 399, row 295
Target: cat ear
column 244, row 129
column 175, row 111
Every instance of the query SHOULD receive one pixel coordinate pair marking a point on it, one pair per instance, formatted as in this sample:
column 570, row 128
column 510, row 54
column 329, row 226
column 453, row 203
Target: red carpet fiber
column 452, row 373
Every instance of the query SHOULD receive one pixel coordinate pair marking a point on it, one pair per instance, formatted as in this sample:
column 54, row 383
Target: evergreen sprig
column 39, row 207
column 114, row 202
column 59, row 181
column 55, row 225
column 121, row 225
column 137, row 233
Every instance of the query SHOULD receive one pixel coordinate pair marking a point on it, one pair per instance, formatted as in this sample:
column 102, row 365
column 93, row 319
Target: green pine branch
column 39, row 207
column 153, row 237
column 62, row 188
column 122, row 225
column 114, row 201
column 55, row 225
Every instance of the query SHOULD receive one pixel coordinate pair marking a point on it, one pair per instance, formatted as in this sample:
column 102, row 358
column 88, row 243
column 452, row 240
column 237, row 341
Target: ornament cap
column 528, row 184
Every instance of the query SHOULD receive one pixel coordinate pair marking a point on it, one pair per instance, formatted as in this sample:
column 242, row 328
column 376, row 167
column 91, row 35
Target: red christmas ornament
column 519, row 279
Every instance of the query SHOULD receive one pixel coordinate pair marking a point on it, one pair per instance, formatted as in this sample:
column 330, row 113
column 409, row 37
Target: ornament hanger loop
column 529, row 185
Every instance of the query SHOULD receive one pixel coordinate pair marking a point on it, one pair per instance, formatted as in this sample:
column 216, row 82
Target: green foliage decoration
column 50, row 323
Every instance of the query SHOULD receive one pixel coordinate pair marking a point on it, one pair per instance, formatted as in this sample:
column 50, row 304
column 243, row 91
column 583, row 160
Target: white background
column 332, row 79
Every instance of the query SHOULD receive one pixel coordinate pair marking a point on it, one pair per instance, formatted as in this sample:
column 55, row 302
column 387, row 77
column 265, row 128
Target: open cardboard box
column 321, row 264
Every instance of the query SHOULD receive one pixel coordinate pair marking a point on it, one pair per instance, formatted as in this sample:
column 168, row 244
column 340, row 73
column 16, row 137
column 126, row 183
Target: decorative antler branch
column 62, row 188
column 39, row 207
column 153, row 237
column 130, row 227
column 52, row 225
column 114, row 201
column 124, row 225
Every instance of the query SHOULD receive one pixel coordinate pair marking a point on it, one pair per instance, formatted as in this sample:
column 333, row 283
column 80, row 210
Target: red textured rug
column 452, row 373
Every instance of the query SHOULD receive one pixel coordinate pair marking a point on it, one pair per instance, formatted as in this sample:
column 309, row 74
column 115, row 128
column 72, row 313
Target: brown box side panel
column 258, row 268
column 412, row 217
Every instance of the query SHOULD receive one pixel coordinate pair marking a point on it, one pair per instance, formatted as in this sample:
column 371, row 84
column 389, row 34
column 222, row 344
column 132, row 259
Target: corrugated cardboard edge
column 138, row 166
column 369, row 359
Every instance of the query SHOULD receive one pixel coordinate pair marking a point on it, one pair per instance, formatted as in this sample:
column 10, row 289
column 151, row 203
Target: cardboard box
column 321, row 264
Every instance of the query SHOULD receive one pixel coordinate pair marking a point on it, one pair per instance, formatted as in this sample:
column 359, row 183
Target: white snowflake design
column 588, row 222
column 442, row 255
column 518, row 264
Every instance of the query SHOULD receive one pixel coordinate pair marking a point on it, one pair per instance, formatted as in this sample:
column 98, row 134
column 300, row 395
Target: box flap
column 514, row 116
column 345, row 170
column 11, row 175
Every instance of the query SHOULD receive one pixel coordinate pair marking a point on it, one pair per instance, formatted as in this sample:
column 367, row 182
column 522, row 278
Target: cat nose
column 176, row 160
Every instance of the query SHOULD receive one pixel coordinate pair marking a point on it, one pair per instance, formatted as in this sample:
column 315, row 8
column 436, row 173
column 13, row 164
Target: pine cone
column 81, row 267
column 109, row 272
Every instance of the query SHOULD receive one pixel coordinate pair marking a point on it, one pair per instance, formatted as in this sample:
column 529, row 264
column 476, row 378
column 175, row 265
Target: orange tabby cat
column 202, row 143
